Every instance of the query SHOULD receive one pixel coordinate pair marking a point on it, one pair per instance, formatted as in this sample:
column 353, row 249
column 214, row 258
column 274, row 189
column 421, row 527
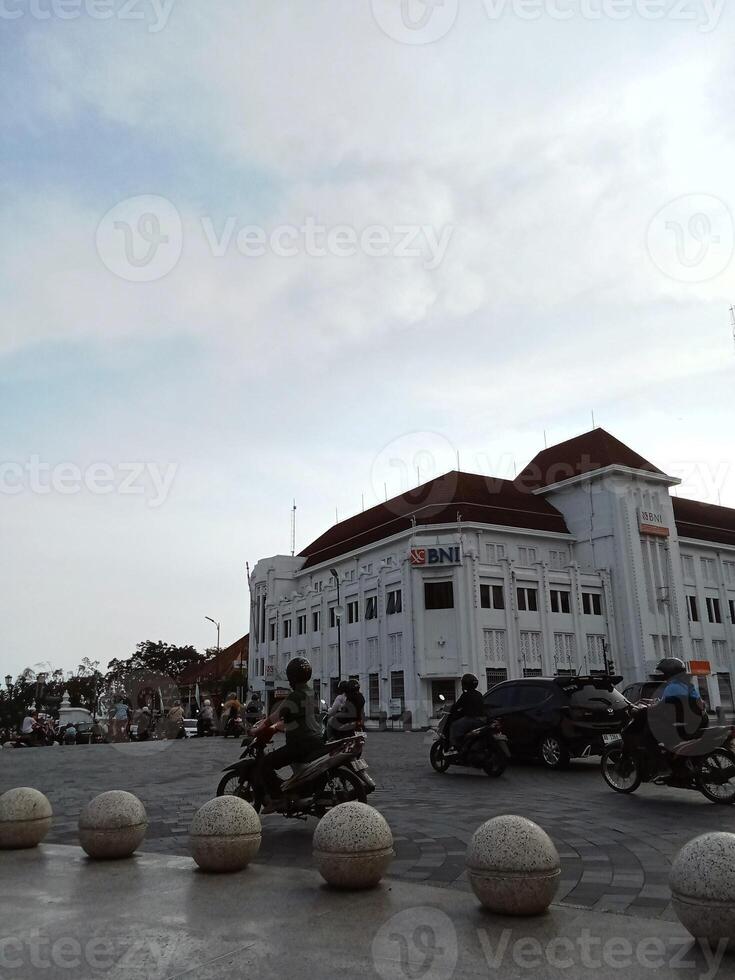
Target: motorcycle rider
column 679, row 713
column 466, row 713
column 296, row 717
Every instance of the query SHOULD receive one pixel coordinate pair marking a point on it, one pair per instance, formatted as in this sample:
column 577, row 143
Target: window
column 397, row 689
column 592, row 603
column 719, row 652
column 728, row 567
column 531, row 648
column 495, row 675
column 353, row 654
column 317, row 684
column 526, row 556
column 724, row 683
column 692, row 610
column 708, row 569
column 560, row 601
column 287, row 628
column 317, row 586
column 301, row 624
column 353, row 611
column 527, row 599
column 438, row 595
column 350, row 576
column 565, row 650
column 596, row 650
column 394, row 602
column 701, row 683
column 731, row 604
column 333, row 685
column 558, row 559
column 272, row 630
column 494, row 646
column 492, row 597
column 532, row 672
column 495, row 552
column 687, row 567
column 371, row 607
column 698, row 649
column 332, row 617
column 316, row 621
column 373, row 694
column 713, row 610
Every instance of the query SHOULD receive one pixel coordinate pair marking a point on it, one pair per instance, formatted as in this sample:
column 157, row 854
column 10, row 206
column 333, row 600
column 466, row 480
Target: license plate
column 359, row 764
column 608, row 739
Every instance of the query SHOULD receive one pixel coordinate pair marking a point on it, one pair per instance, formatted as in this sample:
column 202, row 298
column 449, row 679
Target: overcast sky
column 254, row 252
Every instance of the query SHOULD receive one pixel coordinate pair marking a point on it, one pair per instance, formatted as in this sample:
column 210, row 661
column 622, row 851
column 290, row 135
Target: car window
column 532, row 695
column 593, row 697
column 500, row 697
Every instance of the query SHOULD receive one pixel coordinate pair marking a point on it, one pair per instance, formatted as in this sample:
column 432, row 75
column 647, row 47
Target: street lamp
column 338, row 614
column 9, row 681
column 217, row 625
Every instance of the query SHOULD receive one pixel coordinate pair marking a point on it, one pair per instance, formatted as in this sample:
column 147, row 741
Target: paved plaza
column 615, row 850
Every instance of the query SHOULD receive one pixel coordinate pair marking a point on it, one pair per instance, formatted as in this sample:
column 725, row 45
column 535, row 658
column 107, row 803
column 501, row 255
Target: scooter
column 340, row 775
column 485, row 747
column 703, row 763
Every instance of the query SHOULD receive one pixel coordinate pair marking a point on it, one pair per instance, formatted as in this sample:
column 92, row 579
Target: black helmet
column 298, row 671
column 342, row 687
column 353, row 684
column 469, row 682
column 671, row 666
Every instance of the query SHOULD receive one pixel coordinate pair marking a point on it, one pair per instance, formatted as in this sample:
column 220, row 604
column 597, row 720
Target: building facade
column 585, row 563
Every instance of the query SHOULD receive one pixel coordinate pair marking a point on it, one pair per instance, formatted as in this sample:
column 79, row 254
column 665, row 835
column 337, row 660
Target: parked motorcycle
column 340, row 775
column 702, row 763
column 485, row 747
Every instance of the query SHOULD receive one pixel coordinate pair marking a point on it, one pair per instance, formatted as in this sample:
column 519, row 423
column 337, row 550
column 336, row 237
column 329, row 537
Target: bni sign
column 449, row 555
column 653, row 524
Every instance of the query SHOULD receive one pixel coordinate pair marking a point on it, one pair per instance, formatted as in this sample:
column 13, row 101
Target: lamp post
column 9, row 681
column 338, row 614
column 217, row 625
column 40, row 684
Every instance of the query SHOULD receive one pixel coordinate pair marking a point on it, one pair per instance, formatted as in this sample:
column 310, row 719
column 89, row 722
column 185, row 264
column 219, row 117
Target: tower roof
column 594, row 450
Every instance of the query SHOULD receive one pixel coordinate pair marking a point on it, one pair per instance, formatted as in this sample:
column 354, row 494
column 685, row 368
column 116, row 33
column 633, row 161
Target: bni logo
column 418, row 556
column 436, row 556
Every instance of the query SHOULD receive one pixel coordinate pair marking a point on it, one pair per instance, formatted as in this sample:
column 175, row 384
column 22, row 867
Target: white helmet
column 207, row 703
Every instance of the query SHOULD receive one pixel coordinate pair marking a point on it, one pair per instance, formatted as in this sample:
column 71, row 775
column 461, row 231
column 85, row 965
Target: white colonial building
column 584, row 563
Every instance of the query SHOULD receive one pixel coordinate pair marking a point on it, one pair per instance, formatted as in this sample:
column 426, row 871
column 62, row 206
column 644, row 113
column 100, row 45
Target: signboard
column 269, row 671
column 394, row 707
column 653, row 524
column 438, row 555
column 700, row 668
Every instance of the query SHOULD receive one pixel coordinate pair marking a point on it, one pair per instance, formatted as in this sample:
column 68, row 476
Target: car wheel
column 554, row 753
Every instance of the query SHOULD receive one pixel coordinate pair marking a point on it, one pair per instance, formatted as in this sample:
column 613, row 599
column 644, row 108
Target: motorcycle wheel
column 554, row 753
column 716, row 791
column 620, row 770
column 343, row 786
column 232, row 785
column 495, row 763
column 438, row 760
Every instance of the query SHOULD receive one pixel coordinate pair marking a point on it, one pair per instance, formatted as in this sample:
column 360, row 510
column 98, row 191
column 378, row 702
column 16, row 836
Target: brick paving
column 615, row 850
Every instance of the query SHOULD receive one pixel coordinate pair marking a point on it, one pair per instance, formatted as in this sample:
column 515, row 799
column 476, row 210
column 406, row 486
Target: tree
column 160, row 658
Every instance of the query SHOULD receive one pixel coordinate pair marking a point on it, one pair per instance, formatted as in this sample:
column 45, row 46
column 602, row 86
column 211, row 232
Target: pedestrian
column 175, row 720
column 29, row 729
column 120, row 721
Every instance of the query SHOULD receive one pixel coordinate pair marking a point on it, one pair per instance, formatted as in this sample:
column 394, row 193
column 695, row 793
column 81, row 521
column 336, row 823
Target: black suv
column 556, row 718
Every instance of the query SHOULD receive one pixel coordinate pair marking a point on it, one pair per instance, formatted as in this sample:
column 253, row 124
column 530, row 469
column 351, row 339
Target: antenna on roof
column 459, row 467
column 515, row 470
column 363, row 502
column 336, row 516
column 293, row 529
column 385, row 490
column 593, row 418
column 418, row 476
column 546, row 445
column 732, row 321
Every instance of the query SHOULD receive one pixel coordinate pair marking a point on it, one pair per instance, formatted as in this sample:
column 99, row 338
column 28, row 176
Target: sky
column 254, row 253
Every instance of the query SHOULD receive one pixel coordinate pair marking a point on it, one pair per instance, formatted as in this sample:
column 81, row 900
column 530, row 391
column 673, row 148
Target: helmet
column 146, row 710
column 207, row 703
column 343, row 687
column 671, row 666
column 469, row 682
column 298, row 671
column 353, row 684
column 232, row 696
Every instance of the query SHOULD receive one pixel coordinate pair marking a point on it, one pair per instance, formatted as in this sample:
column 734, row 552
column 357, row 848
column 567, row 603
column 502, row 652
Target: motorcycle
column 485, row 747
column 340, row 775
column 702, row 763
column 233, row 727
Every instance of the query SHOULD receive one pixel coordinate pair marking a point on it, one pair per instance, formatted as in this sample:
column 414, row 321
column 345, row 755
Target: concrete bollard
column 353, row 846
column 25, row 818
column 513, row 866
column 702, row 881
column 112, row 825
column 225, row 834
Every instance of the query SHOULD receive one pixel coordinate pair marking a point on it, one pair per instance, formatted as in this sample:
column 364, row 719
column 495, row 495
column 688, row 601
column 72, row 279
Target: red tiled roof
column 706, row 522
column 584, row 454
column 220, row 666
column 479, row 499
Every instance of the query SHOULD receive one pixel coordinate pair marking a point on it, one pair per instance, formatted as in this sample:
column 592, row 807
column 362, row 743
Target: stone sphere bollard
column 25, row 818
column 513, row 866
column 702, row 881
column 225, row 834
column 112, row 825
column 353, row 846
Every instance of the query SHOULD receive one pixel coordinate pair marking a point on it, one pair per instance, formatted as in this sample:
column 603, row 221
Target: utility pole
column 293, row 529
